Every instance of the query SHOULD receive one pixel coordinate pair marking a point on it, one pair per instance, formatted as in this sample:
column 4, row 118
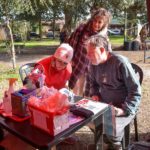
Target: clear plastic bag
column 68, row 93
column 36, row 79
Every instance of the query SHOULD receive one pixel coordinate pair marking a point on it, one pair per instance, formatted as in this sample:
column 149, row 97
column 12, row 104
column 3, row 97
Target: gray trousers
column 121, row 123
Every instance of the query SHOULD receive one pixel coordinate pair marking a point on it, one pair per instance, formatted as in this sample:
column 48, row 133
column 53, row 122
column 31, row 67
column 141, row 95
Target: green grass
column 3, row 47
column 116, row 39
column 32, row 43
column 44, row 42
column 119, row 39
column 5, row 73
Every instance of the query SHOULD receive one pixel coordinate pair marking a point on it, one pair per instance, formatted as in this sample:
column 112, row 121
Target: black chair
column 25, row 69
column 146, row 50
column 126, row 138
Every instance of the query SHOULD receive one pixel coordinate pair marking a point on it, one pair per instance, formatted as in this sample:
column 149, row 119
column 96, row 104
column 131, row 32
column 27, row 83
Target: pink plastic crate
column 48, row 122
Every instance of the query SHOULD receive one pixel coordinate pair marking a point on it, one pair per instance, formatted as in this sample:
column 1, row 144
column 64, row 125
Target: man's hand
column 95, row 98
column 119, row 111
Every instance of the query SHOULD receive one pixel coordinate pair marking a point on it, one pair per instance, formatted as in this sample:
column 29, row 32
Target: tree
column 54, row 11
column 74, row 10
column 9, row 9
column 148, row 10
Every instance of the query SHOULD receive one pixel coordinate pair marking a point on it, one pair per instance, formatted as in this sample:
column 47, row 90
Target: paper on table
column 74, row 119
column 94, row 106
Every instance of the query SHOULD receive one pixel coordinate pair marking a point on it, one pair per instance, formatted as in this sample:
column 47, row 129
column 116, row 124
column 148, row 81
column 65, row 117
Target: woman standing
column 97, row 24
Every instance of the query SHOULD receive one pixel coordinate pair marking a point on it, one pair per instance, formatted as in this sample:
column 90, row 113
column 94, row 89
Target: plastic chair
column 25, row 69
column 126, row 138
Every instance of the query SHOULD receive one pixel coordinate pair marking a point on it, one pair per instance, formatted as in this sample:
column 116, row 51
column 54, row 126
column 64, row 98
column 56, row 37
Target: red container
column 52, row 124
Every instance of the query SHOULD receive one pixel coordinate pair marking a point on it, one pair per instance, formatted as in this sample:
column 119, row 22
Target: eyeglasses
column 61, row 62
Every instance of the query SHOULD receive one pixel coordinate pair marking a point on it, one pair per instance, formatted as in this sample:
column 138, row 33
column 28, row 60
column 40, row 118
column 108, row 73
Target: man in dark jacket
column 111, row 79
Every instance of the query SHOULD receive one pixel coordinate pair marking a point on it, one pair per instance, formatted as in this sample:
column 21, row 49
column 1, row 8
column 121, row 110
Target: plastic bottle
column 7, row 96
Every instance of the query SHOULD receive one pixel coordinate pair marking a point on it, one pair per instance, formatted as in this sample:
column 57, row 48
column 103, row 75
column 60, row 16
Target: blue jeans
column 121, row 123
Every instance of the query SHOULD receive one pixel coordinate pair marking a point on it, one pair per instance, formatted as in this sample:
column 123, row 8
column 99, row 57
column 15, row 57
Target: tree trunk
column 12, row 48
column 148, row 10
column 53, row 25
column 40, row 28
column 68, row 18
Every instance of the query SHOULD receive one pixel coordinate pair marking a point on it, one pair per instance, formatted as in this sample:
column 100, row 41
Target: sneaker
column 111, row 146
column 115, row 147
column 92, row 147
column 70, row 140
column 105, row 146
column 148, row 140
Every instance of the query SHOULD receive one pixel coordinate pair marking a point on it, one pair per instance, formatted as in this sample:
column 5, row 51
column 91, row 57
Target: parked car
column 50, row 34
column 34, row 35
column 17, row 37
column 114, row 32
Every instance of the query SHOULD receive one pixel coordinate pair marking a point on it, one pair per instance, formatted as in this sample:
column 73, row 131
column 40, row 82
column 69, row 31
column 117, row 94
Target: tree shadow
column 29, row 54
column 142, row 137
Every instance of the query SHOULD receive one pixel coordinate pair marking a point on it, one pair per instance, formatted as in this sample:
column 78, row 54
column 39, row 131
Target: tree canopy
column 71, row 10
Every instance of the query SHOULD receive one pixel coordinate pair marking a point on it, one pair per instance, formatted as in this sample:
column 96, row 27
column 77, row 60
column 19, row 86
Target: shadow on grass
column 83, row 145
column 142, row 137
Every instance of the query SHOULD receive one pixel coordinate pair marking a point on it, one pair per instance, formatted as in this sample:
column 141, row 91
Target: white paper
column 94, row 106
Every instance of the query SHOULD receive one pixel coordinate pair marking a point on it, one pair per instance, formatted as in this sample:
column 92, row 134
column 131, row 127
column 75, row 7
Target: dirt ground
column 85, row 135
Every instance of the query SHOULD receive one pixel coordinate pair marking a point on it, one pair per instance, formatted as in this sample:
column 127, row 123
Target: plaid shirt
column 80, row 61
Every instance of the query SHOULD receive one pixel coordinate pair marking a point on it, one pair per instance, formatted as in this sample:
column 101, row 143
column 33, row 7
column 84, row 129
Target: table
column 43, row 141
